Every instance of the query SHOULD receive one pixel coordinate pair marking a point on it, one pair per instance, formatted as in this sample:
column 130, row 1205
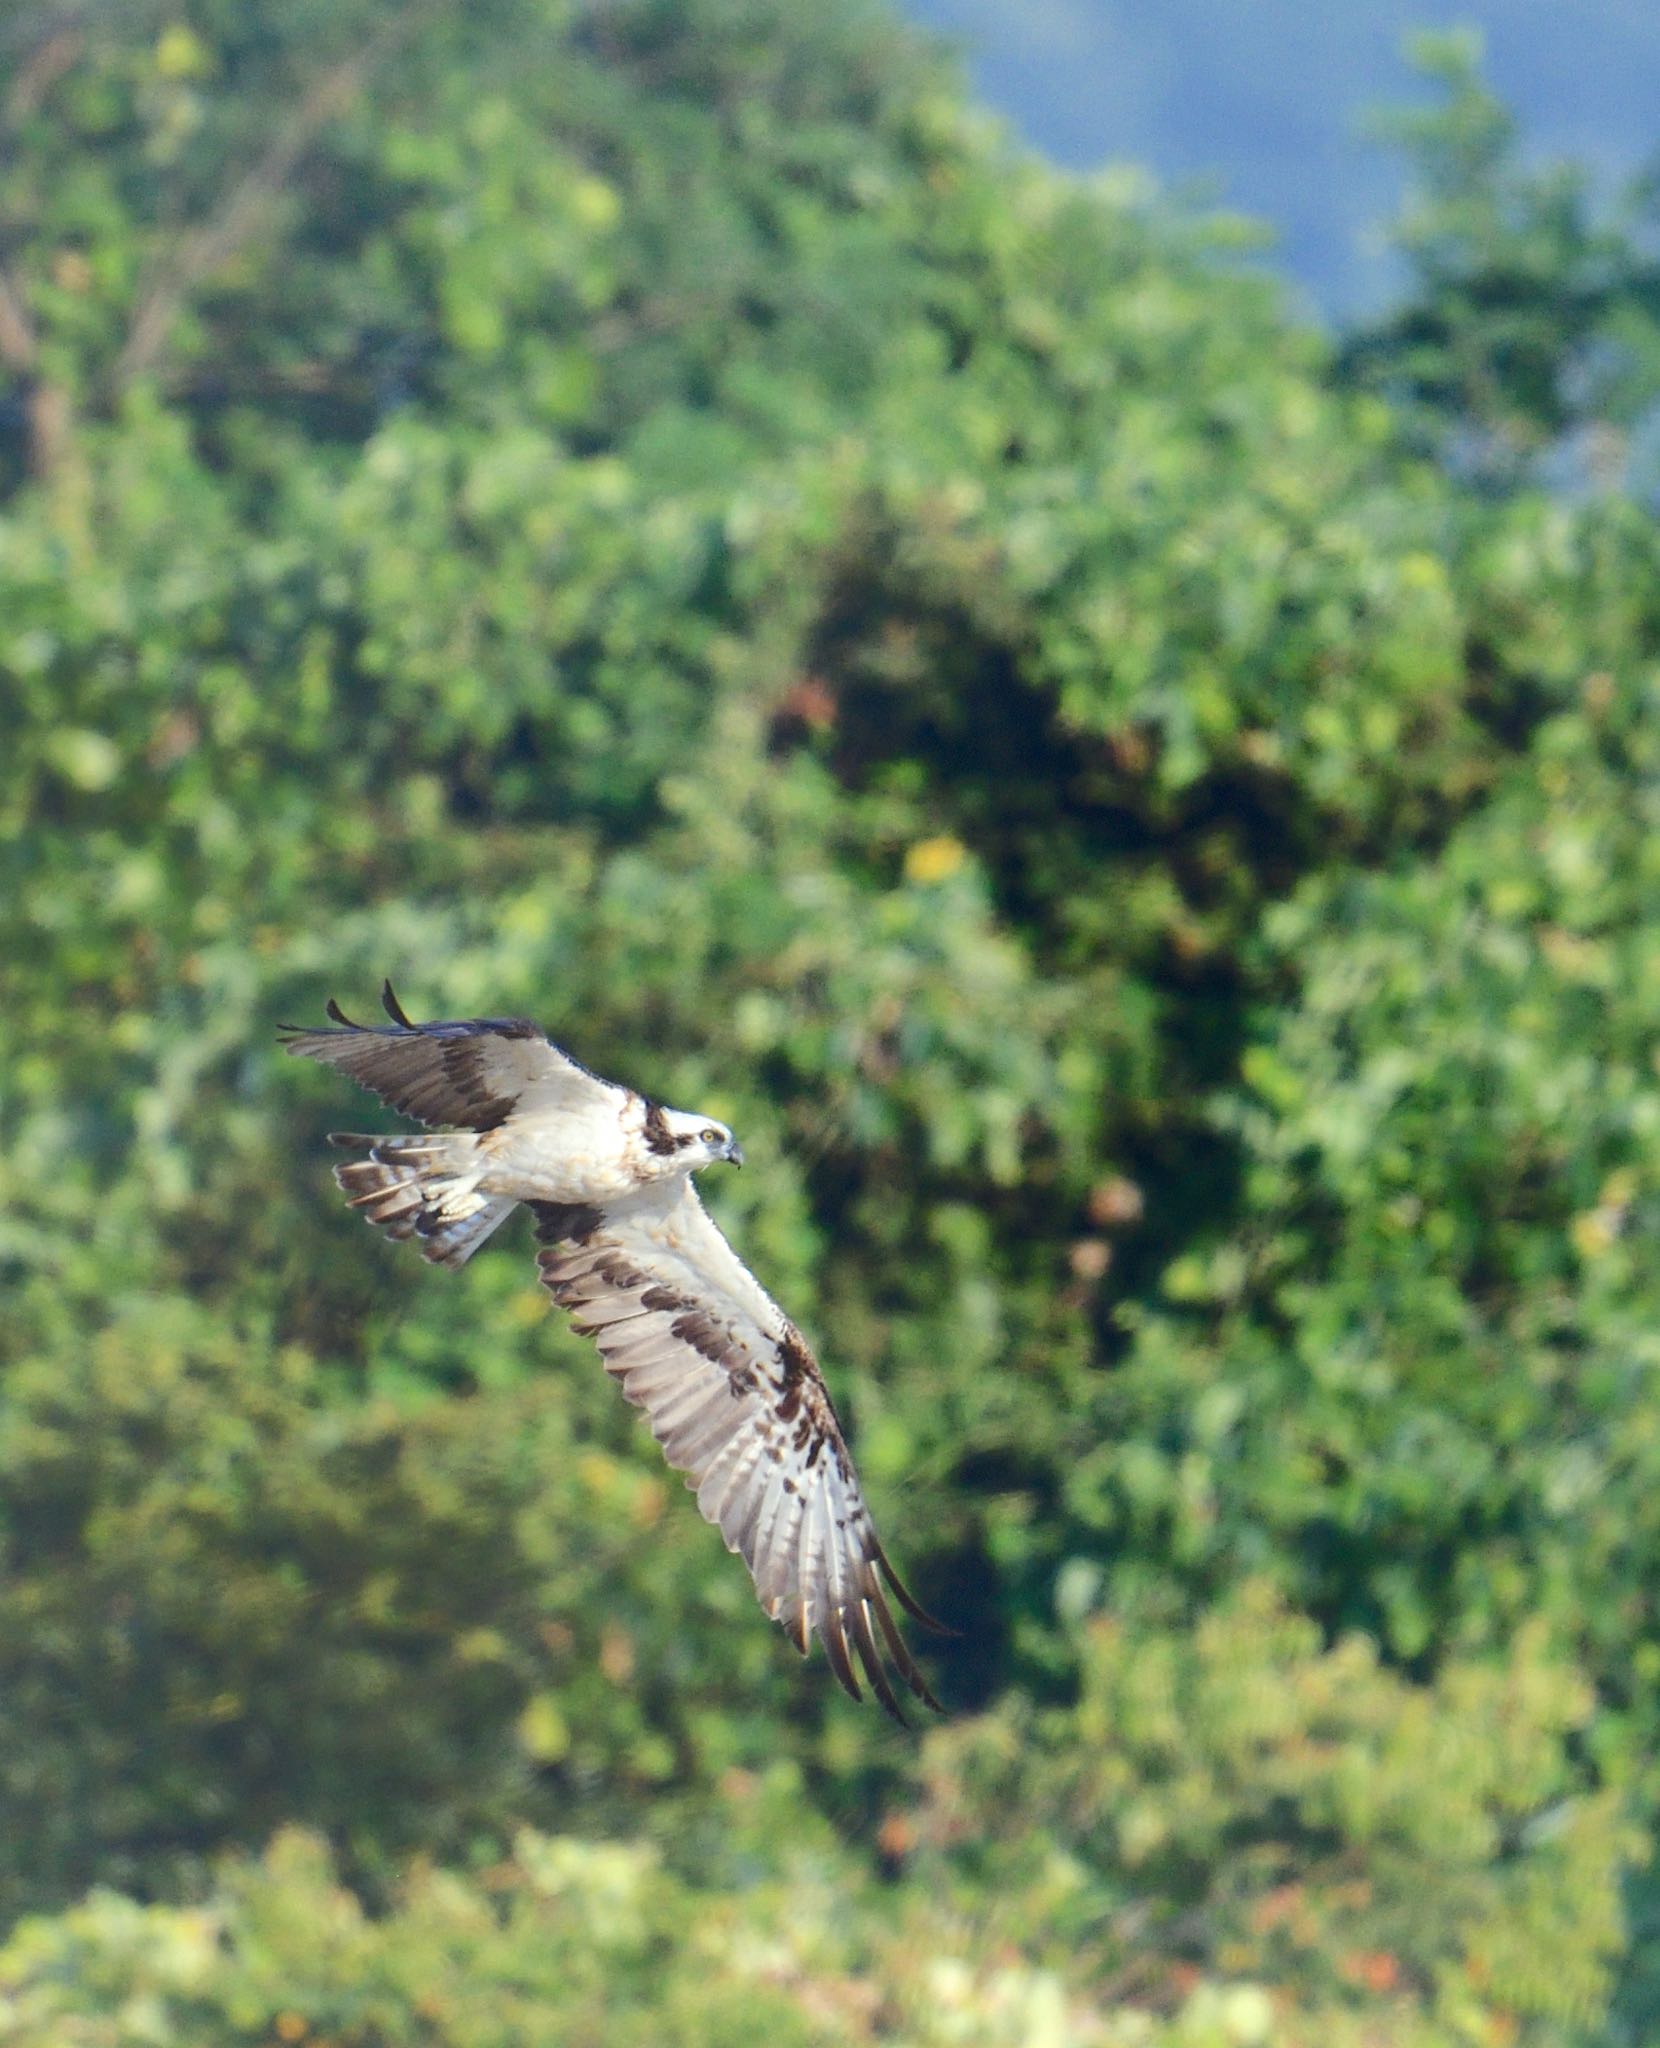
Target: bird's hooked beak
column 734, row 1151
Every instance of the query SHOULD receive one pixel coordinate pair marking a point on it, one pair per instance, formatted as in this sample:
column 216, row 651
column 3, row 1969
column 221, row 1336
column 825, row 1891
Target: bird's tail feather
column 422, row 1188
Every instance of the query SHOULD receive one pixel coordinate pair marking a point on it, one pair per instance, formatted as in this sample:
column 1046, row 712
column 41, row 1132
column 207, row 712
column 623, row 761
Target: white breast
column 589, row 1156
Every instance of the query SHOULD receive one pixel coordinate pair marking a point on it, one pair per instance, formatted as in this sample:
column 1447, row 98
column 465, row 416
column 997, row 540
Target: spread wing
column 736, row 1400
column 472, row 1074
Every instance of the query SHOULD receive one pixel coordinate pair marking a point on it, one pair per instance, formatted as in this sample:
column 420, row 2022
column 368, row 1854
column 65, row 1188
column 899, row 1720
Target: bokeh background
column 1272, row 107
column 1138, row 805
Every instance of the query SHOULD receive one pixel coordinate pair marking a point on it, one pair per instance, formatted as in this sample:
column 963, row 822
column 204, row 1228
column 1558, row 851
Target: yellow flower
column 181, row 53
column 934, row 860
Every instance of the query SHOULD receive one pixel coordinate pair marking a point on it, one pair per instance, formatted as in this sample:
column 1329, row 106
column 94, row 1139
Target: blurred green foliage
column 1526, row 347
column 651, row 516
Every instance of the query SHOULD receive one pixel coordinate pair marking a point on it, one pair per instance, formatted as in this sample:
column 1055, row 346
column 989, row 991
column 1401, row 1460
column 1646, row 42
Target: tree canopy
column 652, row 515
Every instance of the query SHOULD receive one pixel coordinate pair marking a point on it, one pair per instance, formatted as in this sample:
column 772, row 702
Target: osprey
column 724, row 1378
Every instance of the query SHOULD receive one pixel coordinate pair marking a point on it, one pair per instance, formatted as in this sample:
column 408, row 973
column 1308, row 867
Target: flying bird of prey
column 724, row 1378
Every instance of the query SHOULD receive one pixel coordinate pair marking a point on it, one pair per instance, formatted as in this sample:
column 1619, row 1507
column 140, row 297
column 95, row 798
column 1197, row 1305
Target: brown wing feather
column 470, row 1073
column 737, row 1402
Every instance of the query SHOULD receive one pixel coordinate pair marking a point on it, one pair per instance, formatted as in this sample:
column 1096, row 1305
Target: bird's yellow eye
column 713, row 1137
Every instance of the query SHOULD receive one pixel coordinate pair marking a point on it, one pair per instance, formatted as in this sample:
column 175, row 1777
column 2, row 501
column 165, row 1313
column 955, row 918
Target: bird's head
column 697, row 1140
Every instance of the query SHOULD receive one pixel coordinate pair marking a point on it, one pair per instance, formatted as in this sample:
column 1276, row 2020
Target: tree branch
column 206, row 248
column 59, row 43
column 47, row 62
column 18, row 346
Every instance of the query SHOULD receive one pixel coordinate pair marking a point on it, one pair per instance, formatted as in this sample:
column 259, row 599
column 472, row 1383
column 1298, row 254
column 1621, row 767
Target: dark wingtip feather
column 918, row 1613
column 899, row 1650
column 871, row 1658
column 393, row 1008
column 835, row 1648
column 333, row 1009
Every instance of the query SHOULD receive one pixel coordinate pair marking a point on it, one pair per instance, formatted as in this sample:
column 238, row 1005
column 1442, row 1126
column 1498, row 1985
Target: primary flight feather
column 724, row 1378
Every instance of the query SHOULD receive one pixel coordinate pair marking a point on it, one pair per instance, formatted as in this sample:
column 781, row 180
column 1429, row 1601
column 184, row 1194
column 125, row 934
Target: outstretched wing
column 472, row 1074
column 736, row 1400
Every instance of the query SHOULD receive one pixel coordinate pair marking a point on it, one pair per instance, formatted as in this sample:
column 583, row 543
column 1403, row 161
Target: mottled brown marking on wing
column 565, row 1222
column 451, row 1072
column 744, row 1413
